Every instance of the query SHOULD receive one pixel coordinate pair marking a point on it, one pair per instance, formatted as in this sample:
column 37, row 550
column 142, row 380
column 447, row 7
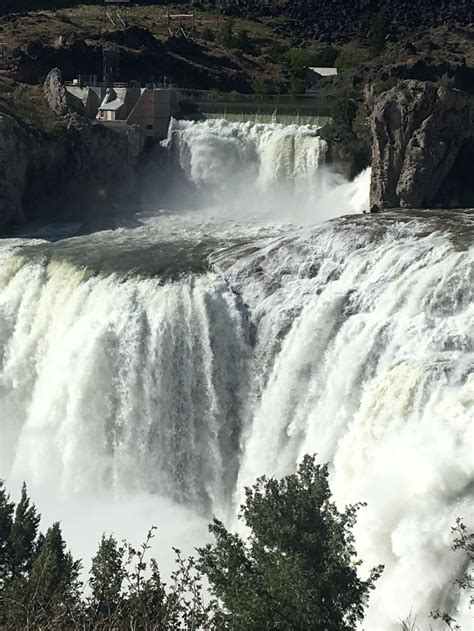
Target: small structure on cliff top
column 312, row 76
column 181, row 25
column 122, row 106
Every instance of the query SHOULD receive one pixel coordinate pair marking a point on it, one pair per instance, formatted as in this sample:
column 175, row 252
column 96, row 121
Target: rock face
column 78, row 171
column 420, row 135
column 55, row 93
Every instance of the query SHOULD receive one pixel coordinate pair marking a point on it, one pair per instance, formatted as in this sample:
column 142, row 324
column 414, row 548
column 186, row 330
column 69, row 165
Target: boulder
column 418, row 131
column 55, row 93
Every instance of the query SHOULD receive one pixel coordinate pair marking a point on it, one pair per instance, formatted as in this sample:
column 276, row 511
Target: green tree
column 296, row 86
column 54, row 584
column 325, row 57
column 297, row 58
column 107, row 575
column 298, row 569
column 379, row 33
column 227, row 34
column 23, row 535
column 6, row 523
column 260, row 86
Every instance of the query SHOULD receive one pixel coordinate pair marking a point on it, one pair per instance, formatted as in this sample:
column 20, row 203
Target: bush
column 208, row 35
column 326, row 57
column 351, row 56
column 379, row 33
column 463, row 540
column 445, row 81
column 296, row 86
column 298, row 569
column 260, row 86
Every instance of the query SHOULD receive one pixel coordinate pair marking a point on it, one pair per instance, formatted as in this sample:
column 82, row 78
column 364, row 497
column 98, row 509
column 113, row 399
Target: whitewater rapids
column 156, row 371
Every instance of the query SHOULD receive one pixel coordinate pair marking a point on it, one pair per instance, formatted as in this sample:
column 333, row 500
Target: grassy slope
column 88, row 21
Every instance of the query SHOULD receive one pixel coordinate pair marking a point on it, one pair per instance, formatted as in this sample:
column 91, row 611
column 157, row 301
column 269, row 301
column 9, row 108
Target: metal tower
column 115, row 14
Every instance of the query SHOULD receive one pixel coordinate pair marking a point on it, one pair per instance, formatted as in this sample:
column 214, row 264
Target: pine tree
column 53, row 586
column 6, row 523
column 107, row 576
column 23, row 535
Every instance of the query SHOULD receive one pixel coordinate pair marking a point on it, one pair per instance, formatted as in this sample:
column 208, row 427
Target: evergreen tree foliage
column 298, row 569
column 53, row 586
column 107, row 575
column 6, row 523
column 379, row 32
column 23, row 535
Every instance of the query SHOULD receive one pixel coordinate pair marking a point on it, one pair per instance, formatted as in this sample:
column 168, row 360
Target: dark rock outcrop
column 420, row 133
column 81, row 169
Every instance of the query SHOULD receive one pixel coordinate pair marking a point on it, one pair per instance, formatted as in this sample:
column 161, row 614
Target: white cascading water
column 138, row 379
column 269, row 171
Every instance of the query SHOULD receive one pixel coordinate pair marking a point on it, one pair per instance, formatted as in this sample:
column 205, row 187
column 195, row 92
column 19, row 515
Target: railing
column 83, row 82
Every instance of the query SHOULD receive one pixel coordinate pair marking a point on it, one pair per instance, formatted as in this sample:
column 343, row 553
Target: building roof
column 112, row 106
column 325, row 72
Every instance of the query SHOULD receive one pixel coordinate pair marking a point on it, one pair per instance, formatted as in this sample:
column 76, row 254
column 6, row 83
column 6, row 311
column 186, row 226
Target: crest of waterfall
column 268, row 170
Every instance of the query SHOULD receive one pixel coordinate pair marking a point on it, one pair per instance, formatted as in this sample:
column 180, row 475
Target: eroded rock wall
column 80, row 169
column 418, row 131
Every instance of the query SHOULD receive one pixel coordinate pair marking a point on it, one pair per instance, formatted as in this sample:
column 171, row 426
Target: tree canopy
column 298, row 568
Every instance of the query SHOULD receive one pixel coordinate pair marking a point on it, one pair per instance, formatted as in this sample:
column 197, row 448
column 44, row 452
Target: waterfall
column 366, row 347
column 265, row 170
column 156, row 371
column 352, row 340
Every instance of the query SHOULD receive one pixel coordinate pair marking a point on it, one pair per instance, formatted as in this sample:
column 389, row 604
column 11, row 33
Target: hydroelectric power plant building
column 126, row 107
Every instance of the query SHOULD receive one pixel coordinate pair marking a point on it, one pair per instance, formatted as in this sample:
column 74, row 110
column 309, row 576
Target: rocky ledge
column 422, row 146
column 74, row 170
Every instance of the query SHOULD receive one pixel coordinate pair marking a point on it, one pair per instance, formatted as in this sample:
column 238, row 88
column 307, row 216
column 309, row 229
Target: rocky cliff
column 79, row 169
column 422, row 146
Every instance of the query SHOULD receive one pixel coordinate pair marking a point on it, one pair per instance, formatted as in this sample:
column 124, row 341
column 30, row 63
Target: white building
column 313, row 75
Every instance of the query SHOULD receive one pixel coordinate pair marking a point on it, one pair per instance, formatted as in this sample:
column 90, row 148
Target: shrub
column 296, row 86
column 208, row 35
column 260, row 86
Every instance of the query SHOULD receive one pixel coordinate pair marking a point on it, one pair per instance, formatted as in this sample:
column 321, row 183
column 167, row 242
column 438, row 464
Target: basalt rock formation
column 78, row 170
column 422, row 146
